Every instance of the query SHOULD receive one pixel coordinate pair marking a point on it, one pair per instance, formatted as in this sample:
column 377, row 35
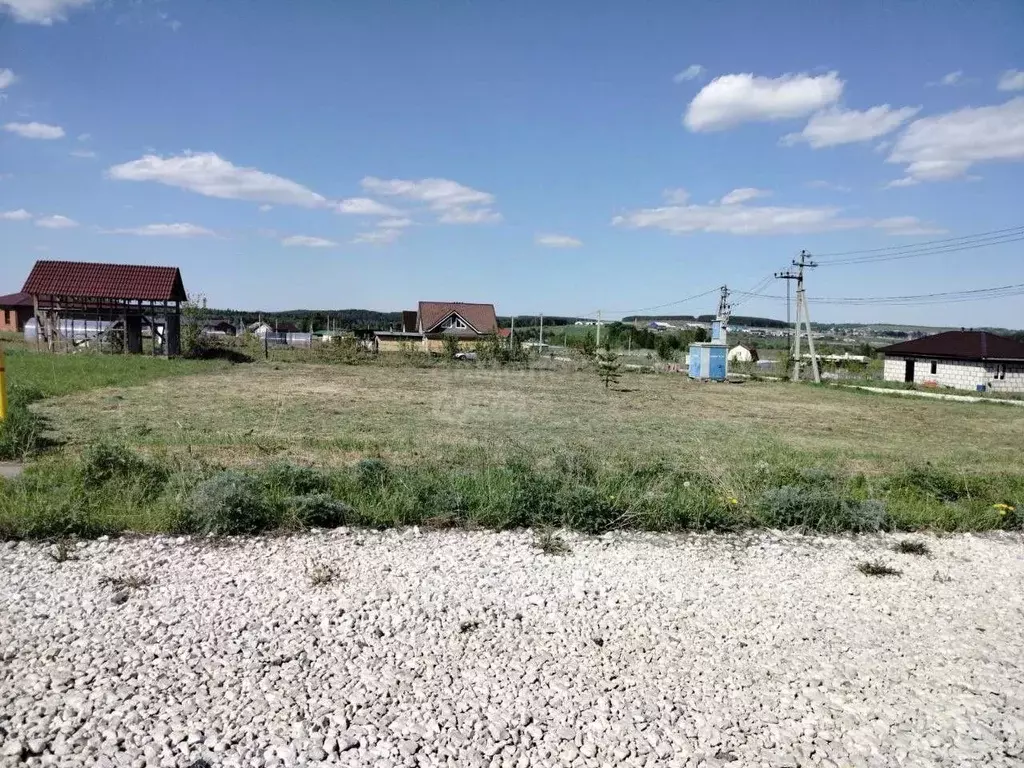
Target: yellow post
column 3, row 386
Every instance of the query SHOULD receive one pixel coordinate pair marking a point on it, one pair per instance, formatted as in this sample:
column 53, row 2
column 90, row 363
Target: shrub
column 317, row 510
column 104, row 463
column 819, row 510
column 291, row 480
column 228, row 503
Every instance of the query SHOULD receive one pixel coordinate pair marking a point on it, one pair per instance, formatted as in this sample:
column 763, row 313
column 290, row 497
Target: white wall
column 959, row 374
column 1010, row 380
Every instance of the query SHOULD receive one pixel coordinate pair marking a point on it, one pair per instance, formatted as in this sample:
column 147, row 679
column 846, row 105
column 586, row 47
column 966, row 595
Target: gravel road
column 475, row 649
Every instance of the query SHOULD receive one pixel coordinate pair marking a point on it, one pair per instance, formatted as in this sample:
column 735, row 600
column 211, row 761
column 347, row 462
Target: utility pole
column 541, row 331
column 724, row 312
column 803, row 314
column 598, row 329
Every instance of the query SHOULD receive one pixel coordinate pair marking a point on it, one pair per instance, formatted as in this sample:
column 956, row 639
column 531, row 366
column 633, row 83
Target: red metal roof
column 960, row 345
column 480, row 317
column 85, row 280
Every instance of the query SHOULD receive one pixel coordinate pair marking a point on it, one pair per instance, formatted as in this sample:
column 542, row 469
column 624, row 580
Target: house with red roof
column 426, row 327
column 974, row 360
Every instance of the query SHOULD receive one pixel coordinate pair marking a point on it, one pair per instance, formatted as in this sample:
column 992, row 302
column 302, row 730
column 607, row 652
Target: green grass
column 33, row 376
column 289, row 446
column 111, row 489
column 51, row 375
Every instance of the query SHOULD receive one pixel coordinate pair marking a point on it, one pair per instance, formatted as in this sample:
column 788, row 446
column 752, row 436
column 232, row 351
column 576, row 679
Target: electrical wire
column 658, row 306
column 1018, row 228
column 997, row 292
column 909, row 252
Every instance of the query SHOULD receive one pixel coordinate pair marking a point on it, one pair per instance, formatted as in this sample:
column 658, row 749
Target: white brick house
column 973, row 360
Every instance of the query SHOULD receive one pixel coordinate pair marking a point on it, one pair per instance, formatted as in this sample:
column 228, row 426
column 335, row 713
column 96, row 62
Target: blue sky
column 555, row 157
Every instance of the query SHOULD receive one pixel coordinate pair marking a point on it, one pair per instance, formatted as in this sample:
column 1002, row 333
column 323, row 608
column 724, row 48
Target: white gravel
column 474, row 649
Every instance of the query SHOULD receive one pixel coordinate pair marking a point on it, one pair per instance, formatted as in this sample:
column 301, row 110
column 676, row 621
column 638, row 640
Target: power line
column 1018, row 228
column 1000, row 291
column 932, row 250
column 658, row 306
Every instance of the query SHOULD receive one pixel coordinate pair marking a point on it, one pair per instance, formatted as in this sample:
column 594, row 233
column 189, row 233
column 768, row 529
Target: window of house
column 935, row 366
column 454, row 322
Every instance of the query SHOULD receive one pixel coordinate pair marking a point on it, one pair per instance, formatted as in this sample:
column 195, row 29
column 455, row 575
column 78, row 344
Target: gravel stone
column 761, row 649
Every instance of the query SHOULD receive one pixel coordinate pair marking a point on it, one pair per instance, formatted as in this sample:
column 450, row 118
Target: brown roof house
column 15, row 311
column 975, row 360
column 76, row 300
column 427, row 327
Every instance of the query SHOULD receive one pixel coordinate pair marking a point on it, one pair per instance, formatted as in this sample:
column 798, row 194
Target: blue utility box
column 707, row 361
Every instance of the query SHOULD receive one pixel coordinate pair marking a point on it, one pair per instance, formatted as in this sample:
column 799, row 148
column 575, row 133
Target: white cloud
column 907, row 225
column 692, row 72
column 558, row 241
column 164, row 230
column 7, row 78
column 733, row 99
column 378, row 237
column 264, row 208
column 834, row 126
column 43, row 12
column 469, row 216
column 56, row 222
column 82, row 153
column 396, row 223
column 208, row 174
column 84, row 136
column 453, row 202
column 953, row 78
column 1011, row 80
column 307, row 241
column 820, row 184
column 678, row 196
column 364, row 206
column 35, row 130
column 946, row 146
column 743, row 194
column 19, row 215
column 757, row 220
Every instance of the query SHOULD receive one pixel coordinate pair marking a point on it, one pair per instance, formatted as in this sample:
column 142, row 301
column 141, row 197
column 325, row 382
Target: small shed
column 739, row 354
column 127, row 295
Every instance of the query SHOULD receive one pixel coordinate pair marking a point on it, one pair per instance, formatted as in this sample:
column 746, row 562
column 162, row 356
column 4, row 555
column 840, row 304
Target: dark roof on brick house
column 16, row 300
column 480, row 317
column 960, row 345
column 87, row 280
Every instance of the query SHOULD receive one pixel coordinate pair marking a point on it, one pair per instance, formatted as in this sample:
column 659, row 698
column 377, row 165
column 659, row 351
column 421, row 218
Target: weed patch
column 320, row 573
column 911, row 547
column 550, row 543
column 877, row 568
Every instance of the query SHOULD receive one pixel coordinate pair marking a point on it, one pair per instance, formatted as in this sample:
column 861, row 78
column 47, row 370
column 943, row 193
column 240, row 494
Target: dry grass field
column 333, row 415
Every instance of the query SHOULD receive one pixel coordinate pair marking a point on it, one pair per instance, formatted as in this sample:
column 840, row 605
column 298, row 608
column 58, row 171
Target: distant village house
column 974, row 360
column 426, row 328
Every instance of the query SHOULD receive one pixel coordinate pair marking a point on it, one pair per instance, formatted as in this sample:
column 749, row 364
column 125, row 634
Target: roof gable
column 479, row 317
column 87, row 280
column 960, row 345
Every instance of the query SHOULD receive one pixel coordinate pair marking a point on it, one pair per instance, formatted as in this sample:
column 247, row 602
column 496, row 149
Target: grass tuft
column 320, row 573
column 63, row 550
column 877, row 568
column 550, row 543
column 129, row 581
column 911, row 547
